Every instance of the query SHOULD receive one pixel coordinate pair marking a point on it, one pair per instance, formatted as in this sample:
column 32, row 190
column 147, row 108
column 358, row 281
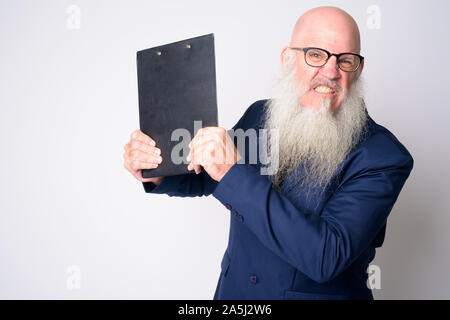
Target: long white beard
column 319, row 140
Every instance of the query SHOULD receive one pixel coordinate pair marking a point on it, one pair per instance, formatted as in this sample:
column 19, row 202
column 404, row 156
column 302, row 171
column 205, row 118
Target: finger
column 198, row 169
column 143, row 156
column 202, row 132
column 207, row 130
column 222, row 145
column 203, row 154
column 188, row 158
column 139, row 135
column 218, row 132
column 135, row 165
column 199, row 141
column 139, row 145
column 139, row 155
column 207, row 142
column 137, row 174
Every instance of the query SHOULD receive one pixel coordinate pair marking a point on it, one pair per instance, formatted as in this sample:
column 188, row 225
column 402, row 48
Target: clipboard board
column 177, row 96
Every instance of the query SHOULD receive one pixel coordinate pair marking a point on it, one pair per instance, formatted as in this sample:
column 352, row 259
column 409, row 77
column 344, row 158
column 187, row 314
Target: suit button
column 253, row 279
column 228, row 206
column 240, row 218
column 234, row 212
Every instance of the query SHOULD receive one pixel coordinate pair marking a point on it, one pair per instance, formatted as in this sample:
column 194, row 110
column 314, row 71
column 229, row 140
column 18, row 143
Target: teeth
column 322, row 89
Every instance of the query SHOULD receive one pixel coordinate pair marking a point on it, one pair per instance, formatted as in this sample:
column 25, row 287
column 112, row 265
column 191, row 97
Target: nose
column 330, row 70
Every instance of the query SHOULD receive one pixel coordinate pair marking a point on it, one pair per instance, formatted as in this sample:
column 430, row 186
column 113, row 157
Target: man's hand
column 214, row 150
column 141, row 153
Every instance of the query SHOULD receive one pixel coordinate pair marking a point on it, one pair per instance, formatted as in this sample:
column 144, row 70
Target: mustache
column 326, row 82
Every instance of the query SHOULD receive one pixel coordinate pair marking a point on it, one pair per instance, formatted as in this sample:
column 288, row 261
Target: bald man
column 309, row 229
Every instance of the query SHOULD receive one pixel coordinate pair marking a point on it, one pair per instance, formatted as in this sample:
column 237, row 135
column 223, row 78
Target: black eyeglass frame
column 329, row 54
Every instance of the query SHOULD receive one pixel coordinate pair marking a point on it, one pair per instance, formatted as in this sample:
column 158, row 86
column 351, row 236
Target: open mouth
column 324, row 90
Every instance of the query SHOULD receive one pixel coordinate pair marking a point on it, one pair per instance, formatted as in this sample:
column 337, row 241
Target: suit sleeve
column 321, row 246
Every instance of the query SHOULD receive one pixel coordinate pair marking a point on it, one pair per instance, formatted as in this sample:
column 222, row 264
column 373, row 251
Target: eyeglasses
column 316, row 57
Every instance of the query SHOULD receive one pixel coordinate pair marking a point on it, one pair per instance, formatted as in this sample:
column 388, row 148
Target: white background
column 68, row 103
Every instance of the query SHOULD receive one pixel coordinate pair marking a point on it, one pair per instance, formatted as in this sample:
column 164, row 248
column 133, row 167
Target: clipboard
column 177, row 96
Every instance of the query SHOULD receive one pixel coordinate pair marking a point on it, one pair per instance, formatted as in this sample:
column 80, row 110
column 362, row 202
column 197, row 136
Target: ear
column 284, row 56
column 361, row 67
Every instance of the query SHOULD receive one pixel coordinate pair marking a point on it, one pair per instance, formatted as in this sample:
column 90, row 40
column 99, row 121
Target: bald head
column 327, row 27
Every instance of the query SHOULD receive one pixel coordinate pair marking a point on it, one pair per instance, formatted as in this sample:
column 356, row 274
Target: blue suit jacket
column 288, row 245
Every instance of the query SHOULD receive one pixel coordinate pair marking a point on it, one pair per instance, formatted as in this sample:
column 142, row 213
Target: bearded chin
column 317, row 141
